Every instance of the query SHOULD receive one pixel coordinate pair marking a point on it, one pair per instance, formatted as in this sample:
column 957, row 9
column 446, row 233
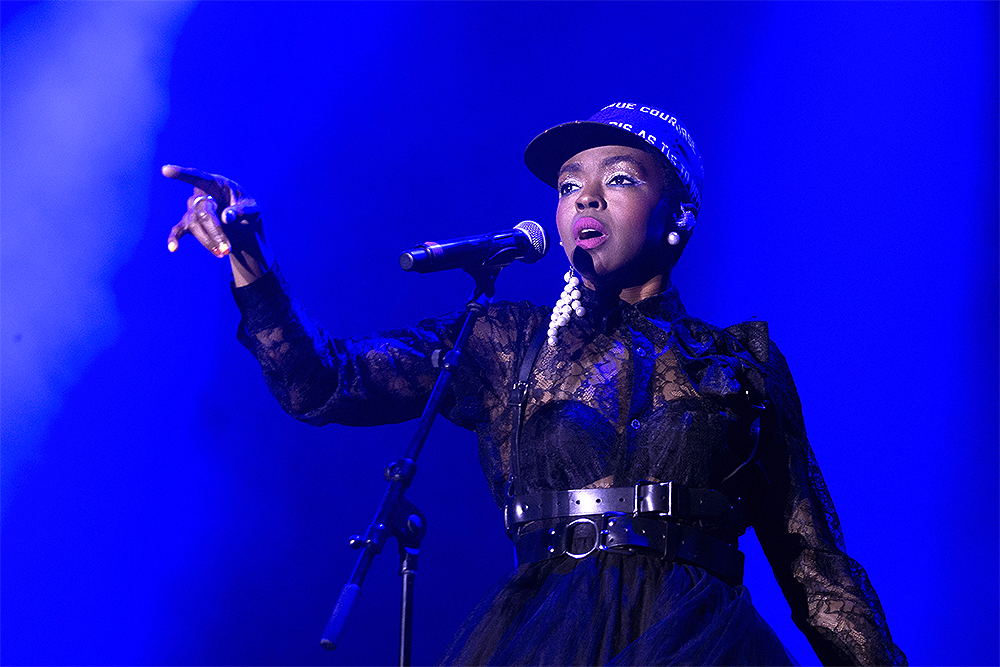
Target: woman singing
column 628, row 444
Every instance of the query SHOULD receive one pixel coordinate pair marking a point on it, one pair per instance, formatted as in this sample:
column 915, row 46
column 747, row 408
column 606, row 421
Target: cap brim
column 547, row 152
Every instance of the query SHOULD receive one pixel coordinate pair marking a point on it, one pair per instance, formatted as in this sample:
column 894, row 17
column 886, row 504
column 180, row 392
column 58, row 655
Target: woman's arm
column 318, row 378
column 315, row 377
column 831, row 598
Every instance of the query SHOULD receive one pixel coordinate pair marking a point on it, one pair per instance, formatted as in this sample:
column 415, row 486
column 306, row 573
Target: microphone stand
column 396, row 516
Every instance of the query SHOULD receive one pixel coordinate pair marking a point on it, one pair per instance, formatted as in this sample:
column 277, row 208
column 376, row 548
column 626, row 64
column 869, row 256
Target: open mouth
column 589, row 233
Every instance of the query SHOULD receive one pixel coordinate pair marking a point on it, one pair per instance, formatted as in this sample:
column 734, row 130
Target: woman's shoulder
column 749, row 342
column 754, row 336
column 506, row 325
column 750, row 335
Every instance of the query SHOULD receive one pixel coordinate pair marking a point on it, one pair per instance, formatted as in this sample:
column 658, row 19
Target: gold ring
column 197, row 201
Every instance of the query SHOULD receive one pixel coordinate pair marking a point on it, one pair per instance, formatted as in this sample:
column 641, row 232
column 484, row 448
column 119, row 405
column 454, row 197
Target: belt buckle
column 618, row 534
column 568, row 535
column 646, row 500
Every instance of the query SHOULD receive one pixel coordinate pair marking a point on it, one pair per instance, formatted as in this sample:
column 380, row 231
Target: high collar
column 607, row 314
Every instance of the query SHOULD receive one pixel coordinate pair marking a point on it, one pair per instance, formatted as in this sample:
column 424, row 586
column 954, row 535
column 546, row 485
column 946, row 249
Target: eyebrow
column 605, row 163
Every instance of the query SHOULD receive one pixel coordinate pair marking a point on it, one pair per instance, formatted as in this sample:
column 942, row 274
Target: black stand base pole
column 408, row 572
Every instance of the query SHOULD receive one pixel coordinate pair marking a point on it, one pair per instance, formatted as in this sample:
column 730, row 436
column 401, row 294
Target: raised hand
column 237, row 232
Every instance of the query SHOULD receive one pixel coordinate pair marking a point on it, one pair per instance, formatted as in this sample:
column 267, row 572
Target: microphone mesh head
column 539, row 241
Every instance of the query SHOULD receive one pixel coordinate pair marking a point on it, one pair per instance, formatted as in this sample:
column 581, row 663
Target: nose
column 590, row 198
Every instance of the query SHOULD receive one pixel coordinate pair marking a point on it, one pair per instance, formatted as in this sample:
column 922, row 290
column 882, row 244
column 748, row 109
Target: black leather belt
column 639, row 519
column 615, row 532
column 665, row 499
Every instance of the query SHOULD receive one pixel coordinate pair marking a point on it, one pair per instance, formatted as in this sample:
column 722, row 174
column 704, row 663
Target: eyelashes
column 568, row 186
column 618, row 179
column 623, row 178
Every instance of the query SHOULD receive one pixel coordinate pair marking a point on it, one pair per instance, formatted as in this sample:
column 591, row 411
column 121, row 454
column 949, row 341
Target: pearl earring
column 568, row 303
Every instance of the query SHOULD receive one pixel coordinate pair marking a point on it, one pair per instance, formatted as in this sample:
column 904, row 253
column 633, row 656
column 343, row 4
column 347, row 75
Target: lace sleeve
column 379, row 379
column 831, row 598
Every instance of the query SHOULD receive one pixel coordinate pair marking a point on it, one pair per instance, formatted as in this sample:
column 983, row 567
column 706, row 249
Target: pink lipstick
column 589, row 233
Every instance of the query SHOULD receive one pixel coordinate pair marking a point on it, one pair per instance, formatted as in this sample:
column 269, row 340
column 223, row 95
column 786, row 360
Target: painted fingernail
column 223, row 248
column 171, row 245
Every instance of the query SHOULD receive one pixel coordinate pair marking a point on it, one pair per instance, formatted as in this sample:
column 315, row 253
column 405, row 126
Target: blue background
column 157, row 505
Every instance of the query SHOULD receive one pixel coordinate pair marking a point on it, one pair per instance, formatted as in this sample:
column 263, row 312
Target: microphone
column 526, row 242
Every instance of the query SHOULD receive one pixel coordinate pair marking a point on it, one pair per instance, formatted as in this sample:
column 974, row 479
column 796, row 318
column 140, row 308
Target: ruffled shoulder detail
column 754, row 337
column 723, row 361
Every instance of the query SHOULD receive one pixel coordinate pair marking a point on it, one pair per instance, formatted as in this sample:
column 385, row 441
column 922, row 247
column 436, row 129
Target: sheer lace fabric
column 631, row 392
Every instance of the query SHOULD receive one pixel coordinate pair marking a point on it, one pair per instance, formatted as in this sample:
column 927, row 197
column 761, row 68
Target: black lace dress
column 632, row 392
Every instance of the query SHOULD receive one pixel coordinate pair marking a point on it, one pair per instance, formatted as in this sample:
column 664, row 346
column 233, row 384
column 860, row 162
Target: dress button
column 640, row 352
column 636, row 424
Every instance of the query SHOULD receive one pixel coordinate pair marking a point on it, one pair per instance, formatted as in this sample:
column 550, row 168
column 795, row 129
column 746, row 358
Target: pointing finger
column 189, row 175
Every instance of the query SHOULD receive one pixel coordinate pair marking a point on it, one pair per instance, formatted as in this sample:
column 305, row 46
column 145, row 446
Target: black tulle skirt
column 615, row 609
